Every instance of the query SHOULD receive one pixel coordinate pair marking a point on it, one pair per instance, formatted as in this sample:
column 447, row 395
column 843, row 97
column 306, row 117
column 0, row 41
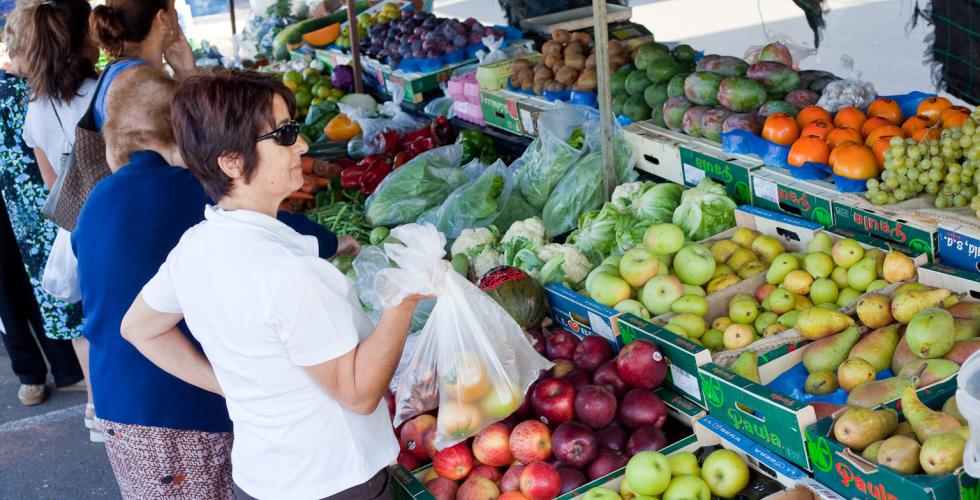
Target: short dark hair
column 221, row 114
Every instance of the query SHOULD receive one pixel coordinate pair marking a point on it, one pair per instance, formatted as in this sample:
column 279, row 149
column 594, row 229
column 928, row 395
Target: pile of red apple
column 582, row 420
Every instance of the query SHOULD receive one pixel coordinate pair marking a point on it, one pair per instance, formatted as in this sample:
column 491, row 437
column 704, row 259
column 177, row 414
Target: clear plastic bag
column 476, row 203
column 390, row 116
column 851, row 91
column 440, row 106
column 369, row 261
column 495, row 53
column 549, row 157
column 793, row 51
column 60, row 277
column 422, row 183
column 472, row 360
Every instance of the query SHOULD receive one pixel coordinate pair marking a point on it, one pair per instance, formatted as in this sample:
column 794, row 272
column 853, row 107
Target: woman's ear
column 232, row 165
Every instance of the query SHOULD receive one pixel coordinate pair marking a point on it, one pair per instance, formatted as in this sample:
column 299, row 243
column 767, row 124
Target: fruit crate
column 888, row 226
column 956, row 280
column 656, row 153
column 701, row 158
column 780, row 192
column 959, row 247
column 849, row 474
column 512, row 111
column 581, row 315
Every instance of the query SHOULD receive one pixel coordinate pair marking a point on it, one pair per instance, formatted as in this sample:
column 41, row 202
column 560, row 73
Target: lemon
column 292, row 76
column 303, row 99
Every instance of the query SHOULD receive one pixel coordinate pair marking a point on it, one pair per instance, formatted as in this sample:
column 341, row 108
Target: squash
column 517, row 293
column 291, row 37
column 323, row 36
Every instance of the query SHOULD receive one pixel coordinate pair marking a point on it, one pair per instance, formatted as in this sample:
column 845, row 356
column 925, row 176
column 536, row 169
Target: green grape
column 896, row 142
column 932, row 188
column 936, row 175
column 912, row 173
column 960, row 200
column 923, row 179
column 901, row 194
column 952, row 178
column 880, row 198
column 942, row 202
column 969, row 191
column 872, row 184
column 914, row 153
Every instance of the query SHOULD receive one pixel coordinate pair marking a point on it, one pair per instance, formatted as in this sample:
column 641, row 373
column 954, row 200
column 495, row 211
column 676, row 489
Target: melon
column 323, row 36
column 518, row 293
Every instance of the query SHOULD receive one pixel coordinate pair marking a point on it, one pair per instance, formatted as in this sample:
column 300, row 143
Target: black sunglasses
column 285, row 135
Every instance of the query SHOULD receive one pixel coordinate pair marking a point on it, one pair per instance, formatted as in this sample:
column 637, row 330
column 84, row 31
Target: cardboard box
column 655, row 153
column 512, row 111
column 847, row 473
column 780, row 192
column 919, row 237
column 582, row 315
column 806, row 489
column 956, row 280
column 704, row 159
column 959, row 247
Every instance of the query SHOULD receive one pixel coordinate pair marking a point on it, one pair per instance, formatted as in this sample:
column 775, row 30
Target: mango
column 777, row 78
column 722, row 65
column 712, row 121
column 821, row 84
column 701, row 87
column 802, row 98
column 635, row 108
column 657, row 116
column 617, row 83
column 655, row 95
column 741, row 94
column 691, row 122
column 647, row 53
column 777, row 52
column 748, row 122
column 777, row 106
column 674, row 109
column 684, row 53
column 617, row 102
column 675, row 87
column 662, row 69
column 808, row 76
column 637, row 82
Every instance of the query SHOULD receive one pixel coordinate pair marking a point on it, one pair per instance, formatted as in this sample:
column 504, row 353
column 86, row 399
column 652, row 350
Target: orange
column 916, row 123
column 886, row 130
column 810, row 114
column 887, row 109
column 879, row 147
column 926, row 134
column 854, row 161
column 933, row 106
column 873, row 123
column 781, row 129
column 841, row 135
column 850, row 117
column 953, row 117
column 810, row 148
column 818, row 128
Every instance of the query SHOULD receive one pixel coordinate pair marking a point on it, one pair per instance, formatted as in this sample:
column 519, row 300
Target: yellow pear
column 898, row 267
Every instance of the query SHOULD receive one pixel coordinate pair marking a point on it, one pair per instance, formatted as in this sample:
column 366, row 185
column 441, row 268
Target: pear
column 898, row 267
column 722, row 282
column 802, row 302
column 744, row 237
column 906, row 305
column 846, row 296
column 839, row 276
column 953, row 409
column 750, row 269
column 723, row 249
column 821, row 242
column 871, row 452
column 737, row 336
column 821, row 383
column 878, row 392
column 780, row 301
column 828, row 353
column 721, row 322
column 743, row 309
column 816, row 322
column 877, row 347
column 962, row 350
column 854, row 372
column 721, row 270
column 943, row 454
column 767, row 247
column 904, row 428
column 858, row 428
column 847, row 252
column 747, row 365
column 877, row 284
column 929, row 371
column 879, row 258
column 740, row 257
column 965, row 310
column 925, row 421
column 900, row 453
column 780, row 267
column 911, row 287
column 713, row 339
column 774, row 329
column 903, row 355
column 930, row 333
column 874, row 310
column 965, row 328
column 788, row 319
column 860, row 275
column 798, row 282
column 764, row 320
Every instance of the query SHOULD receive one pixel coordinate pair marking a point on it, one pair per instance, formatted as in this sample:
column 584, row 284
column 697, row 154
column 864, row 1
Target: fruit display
column 291, row 37
column 568, row 64
column 311, row 89
column 640, row 88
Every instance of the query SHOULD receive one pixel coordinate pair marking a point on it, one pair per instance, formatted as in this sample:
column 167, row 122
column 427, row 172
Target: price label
column 766, row 189
column 685, row 382
column 692, row 175
column 601, row 326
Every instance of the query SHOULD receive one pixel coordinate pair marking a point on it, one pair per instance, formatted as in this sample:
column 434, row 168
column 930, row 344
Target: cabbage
column 342, row 77
column 596, row 233
column 360, row 101
column 705, row 210
column 657, row 204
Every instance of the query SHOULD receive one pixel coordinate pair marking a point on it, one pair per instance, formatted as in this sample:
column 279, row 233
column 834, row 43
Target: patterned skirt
column 153, row 462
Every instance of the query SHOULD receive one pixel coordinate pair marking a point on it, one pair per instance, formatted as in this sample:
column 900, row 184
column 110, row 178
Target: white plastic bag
column 60, row 277
column 472, row 360
column 495, row 54
column 797, row 52
column 851, row 91
column 390, row 116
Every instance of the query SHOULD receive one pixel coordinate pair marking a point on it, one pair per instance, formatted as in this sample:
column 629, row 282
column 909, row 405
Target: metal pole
column 231, row 8
column 355, row 46
column 604, row 97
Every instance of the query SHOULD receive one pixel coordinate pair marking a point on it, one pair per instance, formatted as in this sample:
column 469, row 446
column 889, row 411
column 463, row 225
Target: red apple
column 512, row 495
column 763, row 291
column 553, row 400
column 429, row 441
column 578, row 378
column 612, row 437
column 561, row 345
column 540, row 481
column 562, row 367
column 570, row 479
column 442, row 488
column 511, row 480
column 646, row 438
column 525, row 410
column 412, row 438
column 591, row 352
column 537, row 341
column 641, row 364
column 454, row 462
column 530, row 441
column 390, row 401
column 595, row 406
column 574, row 444
column 605, row 462
column 492, row 445
column 478, row 488
column 608, row 375
column 409, row 461
column 486, row 471
column 641, row 407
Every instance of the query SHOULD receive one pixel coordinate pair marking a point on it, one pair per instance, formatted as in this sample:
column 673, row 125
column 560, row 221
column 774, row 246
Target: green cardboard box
column 734, row 172
column 920, row 237
column 500, row 109
column 779, row 192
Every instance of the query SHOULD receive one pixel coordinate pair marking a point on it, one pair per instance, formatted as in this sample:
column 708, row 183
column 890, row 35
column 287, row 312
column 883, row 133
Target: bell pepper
column 350, row 177
column 375, row 173
column 342, row 128
column 400, row 159
column 418, row 134
column 386, row 142
column 442, row 131
column 420, row 146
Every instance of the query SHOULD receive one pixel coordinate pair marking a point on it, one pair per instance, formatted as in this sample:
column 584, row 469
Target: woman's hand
column 180, row 57
column 347, row 245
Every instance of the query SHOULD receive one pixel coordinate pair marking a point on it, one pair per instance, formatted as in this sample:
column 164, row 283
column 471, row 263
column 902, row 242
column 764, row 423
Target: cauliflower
column 486, row 260
column 473, row 241
column 563, row 263
column 532, row 229
column 624, row 194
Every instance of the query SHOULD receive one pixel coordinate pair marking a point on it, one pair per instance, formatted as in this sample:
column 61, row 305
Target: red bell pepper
column 420, row 146
column 442, row 131
column 400, row 159
column 375, row 173
column 418, row 134
column 350, row 177
column 386, row 142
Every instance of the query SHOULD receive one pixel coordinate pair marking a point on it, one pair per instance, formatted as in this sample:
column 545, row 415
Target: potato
column 590, row 61
column 566, row 75
column 561, row 36
column 576, row 61
column 520, row 64
column 539, row 86
column 551, row 59
column 558, row 65
column 587, row 80
column 581, row 36
column 619, row 59
column 537, row 67
column 573, row 48
column 525, row 76
column 615, row 47
column 543, row 75
column 554, row 86
column 551, row 47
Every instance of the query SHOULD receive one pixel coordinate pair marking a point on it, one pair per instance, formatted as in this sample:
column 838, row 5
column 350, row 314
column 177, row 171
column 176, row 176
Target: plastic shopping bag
column 476, row 203
column 549, row 157
column 368, row 263
column 471, row 360
column 60, row 277
column 390, row 117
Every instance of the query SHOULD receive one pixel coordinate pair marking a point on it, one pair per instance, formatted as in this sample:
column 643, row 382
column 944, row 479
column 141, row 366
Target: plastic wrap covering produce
column 476, row 203
column 390, row 116
column 471, row 360
column 366, row 265
column 422, row 183
column 549, row 157
column 849, row 92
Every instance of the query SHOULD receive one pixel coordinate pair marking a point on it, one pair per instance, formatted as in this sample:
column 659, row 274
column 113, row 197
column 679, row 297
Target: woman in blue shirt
column 165, row 438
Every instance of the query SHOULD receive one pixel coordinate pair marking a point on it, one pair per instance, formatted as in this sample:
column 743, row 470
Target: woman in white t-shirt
column 301, row 367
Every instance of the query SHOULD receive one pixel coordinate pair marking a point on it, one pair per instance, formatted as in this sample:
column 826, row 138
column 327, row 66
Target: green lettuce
column 705, row 211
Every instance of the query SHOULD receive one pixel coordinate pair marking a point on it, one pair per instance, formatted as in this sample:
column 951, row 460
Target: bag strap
column 87, row 121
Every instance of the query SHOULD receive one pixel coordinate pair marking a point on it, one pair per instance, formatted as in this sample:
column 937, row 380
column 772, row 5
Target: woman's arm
column 48, row 175
column 156, row 336
column 359, row 379
column 180, row 57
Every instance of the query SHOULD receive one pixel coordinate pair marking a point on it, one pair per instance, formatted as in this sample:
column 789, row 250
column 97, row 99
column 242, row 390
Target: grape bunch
column 948, row 168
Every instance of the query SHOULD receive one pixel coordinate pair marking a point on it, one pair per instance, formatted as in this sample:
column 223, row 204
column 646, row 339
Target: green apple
column 601, row 269
column 764, row 320
column 659, row 293
column 876, row 285
column 847, row 252
column 694, row 290
column 638, row 265
column 713, row 339
column 684, row 462
column 612, row 260
column 692, row 323
column 839, row 275
column 781, row 300
column 609, row 289
column 780, row 267
column 823, row 290
column 821, row 242
column 725, row 472
column 767, row 247
column 601, row 494
column 687, row 487
column 695, row 304
column 694, row 264
column 664, row 238
column 846, row 296
column 648, row 473
column 632, row 306
column 818, row 264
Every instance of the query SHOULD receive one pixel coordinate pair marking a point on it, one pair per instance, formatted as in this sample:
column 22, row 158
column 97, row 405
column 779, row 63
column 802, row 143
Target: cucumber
column 291, row 36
